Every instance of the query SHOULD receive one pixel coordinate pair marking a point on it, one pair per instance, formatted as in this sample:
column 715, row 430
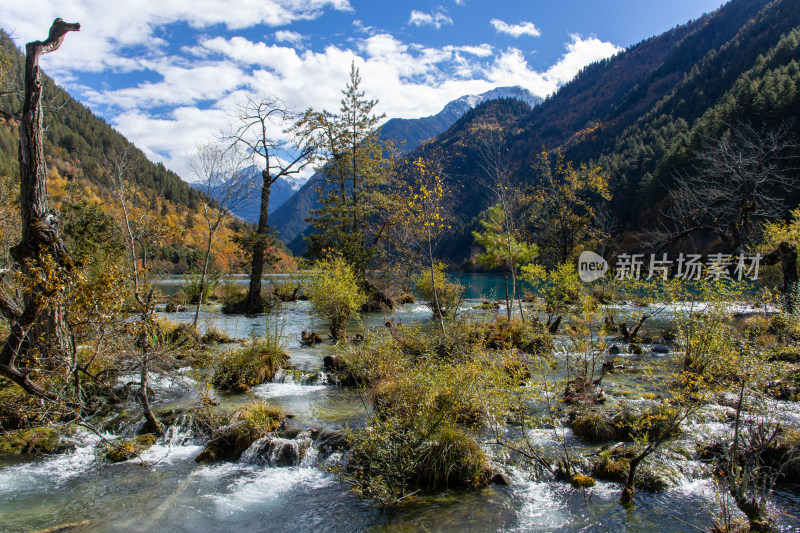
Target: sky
column 169, row 74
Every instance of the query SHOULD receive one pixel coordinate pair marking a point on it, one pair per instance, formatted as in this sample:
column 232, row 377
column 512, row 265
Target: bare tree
column 497, row 180
column 740, row 180
column 140, row 231
column 219, row 173
column 41, row 241
column 267, row 128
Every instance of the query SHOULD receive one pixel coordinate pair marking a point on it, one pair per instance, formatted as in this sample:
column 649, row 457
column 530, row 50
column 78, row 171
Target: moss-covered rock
column 42, row 440
column 126, row 449
column 582, row 482
column 611, row 469
column 250, row 423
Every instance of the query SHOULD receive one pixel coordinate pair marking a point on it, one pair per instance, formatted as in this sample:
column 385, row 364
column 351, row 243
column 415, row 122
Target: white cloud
column 418, row 18
column 580, row 52
column 516, row 30
column 287, row 36
column 188, row 97
column 481, row 50
column 408, row 80
column 109, row 29
column 512, row 69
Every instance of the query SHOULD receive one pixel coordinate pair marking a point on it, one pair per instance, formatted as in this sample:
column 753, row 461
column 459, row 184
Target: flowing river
column 171, row 492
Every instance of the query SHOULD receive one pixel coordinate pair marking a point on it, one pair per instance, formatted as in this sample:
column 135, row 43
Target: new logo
column 591, row 266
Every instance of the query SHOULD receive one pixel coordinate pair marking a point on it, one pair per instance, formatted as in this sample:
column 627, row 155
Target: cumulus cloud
column 108, row 28
column 287, row 36
column 409, row 81
column 437, row 20
column 182, row 98
column 516, row 30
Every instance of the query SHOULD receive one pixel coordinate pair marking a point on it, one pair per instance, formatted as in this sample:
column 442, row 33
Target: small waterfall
column 279, row 452
column 300, row 377
column 180, row 433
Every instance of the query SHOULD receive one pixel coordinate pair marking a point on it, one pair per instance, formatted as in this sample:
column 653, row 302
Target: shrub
column 755, row 326
column 231, row 292
column 449, row 294
column 252, row 422
column 287, row 290
column 191, row 285
column 452, row 459
column 611, row 469
column 531, row 337
column 216, row 336
column 335, row 295
column 416, row 437
column 389, row 459
column 593, row 427
column 261, row 416
column 247, row 366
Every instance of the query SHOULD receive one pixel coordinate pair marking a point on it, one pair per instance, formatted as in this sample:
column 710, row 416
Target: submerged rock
column 126, row 449
column 64, row 528
column 309, row 339
column 331, row 440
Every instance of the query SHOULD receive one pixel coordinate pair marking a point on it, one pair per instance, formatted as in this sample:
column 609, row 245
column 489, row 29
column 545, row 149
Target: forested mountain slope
column 639, row 114
column 77, row 147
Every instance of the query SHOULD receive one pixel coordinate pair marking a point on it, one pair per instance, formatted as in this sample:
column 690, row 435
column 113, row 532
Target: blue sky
column 169, row 74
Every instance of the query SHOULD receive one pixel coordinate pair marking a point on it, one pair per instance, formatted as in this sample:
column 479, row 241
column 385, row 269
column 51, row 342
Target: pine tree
column 356, row 169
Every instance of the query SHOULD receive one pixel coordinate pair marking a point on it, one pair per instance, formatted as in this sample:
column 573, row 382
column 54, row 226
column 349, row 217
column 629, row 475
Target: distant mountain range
column 250, row 209
column 290, row 218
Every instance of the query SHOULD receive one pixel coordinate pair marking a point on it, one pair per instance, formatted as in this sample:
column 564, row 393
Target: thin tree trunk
column 787, row 255
column 203, row 277
column 152, row 424
column 437, row 308
column 254, row 305
column 508, row 302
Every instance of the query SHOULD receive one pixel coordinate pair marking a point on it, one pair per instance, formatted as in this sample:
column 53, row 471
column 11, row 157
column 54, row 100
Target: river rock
column 331, row 440
column 228, row 443
column 500, row 478
column 126, row 449
column 309, row 339
column 42, row 440
column 276, row 452
column 659, row 348
column 334, row 363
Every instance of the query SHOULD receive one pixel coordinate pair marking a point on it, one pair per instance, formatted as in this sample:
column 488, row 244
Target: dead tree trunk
column 40, row 236
column 254, row 303
column 786, row 255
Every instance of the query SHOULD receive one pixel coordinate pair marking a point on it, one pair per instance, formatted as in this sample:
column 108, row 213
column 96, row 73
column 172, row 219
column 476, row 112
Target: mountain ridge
column 290, row 218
